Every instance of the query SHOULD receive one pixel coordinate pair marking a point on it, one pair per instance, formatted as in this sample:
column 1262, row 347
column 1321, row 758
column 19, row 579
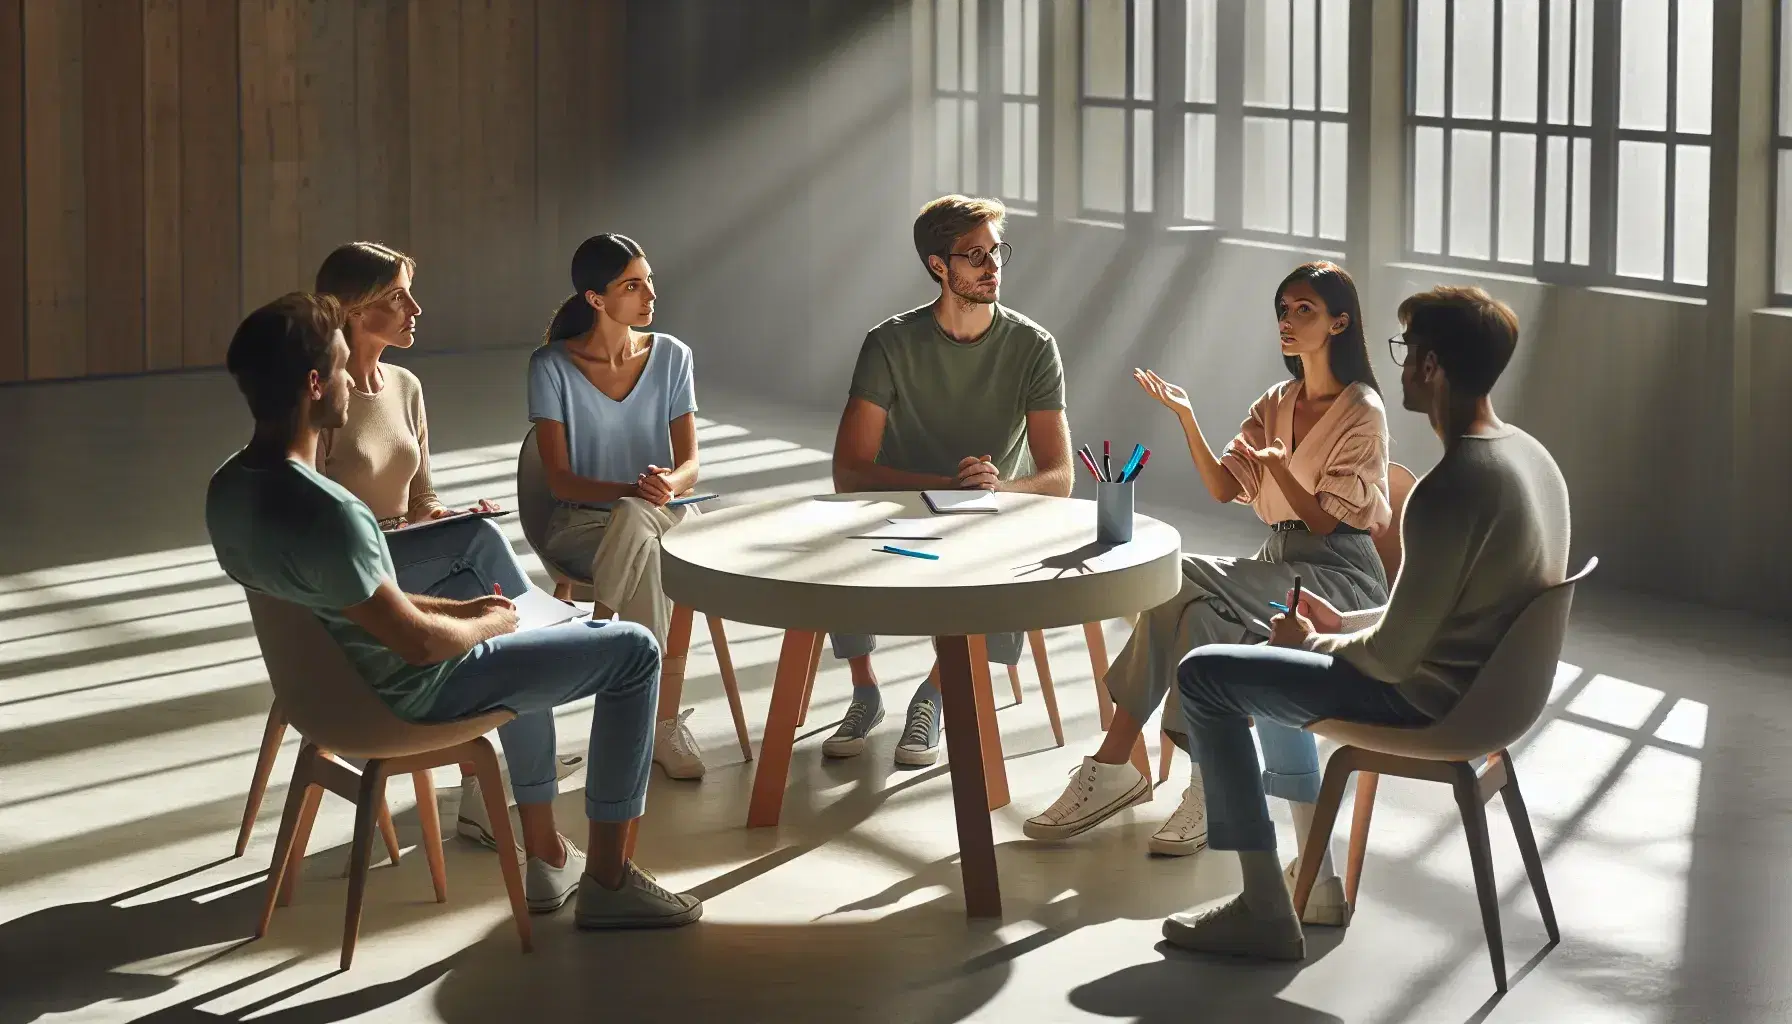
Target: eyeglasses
column 1002, row 253
column 1397, row 347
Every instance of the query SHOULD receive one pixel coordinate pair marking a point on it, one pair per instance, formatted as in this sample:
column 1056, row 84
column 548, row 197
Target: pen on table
column 1107, row 470
column 889, row 549
column 1089, row 461
column 1140, row 468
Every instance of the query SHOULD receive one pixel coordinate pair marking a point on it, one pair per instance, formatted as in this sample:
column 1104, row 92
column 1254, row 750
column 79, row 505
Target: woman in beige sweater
column 382, row 456
column 1311, row 459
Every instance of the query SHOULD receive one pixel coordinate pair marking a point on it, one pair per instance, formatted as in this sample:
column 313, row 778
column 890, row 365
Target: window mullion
column 1603, row 193
column 1228, row 126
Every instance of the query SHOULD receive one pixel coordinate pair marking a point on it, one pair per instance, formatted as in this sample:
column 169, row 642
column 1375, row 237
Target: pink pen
column 1140, row 468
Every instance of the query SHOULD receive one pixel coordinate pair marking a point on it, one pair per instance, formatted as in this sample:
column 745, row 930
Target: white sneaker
column 1326, row 904
column 920, row 744
column 675, row 749
column 547, row 888
column 640, row 903
column 1229, row 928
column 472, row 822
column 1096, row 793
column 1186, row 831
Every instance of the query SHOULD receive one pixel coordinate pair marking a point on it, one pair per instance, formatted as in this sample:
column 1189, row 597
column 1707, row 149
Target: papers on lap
column 452, row 517
column 947, row 503
column 538, row 608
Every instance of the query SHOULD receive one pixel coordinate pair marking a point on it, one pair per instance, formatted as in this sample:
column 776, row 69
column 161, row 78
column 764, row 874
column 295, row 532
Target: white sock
column 1265, row 894
column 1303, row 826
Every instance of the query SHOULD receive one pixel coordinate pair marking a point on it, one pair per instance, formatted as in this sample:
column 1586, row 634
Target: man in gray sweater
column 1484, row 532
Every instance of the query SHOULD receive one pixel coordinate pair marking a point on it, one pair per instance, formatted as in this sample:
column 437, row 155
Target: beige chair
column 1387, row 545
column 535, row 507
column 1505, row 700
column 336, row 712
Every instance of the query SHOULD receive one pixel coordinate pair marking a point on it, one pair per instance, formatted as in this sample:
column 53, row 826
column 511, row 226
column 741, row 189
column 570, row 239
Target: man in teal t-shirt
column 960, row 393
column 281, row 529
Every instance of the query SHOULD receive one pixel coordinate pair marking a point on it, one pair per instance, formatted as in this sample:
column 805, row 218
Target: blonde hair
column 949, row 218
column 355, row 274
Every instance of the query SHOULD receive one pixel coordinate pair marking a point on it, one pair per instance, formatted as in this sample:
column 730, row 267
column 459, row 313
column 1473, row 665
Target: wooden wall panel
column 268, row 38
column 162, row 321
column 55, row 224
column 437, row 240
column 210, row 213
column 498, row 132
column 12, row 191
column 112, row 100
column 382, row 141
column 326, row 75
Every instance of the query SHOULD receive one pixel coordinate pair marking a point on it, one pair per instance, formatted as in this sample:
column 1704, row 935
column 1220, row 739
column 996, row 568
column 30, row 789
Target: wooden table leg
column 995, row 767
column 970, row 786
column 780, row 729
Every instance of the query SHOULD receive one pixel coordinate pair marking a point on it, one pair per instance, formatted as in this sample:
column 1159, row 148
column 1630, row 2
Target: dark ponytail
column 599, row 261
column 1349, row 351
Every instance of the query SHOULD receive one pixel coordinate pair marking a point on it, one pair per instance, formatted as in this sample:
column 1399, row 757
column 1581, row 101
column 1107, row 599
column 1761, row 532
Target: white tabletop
column 795, row 564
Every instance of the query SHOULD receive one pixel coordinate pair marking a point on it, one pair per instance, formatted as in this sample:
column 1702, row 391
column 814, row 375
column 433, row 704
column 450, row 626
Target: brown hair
column 277, row 347
column 355, row 274
column 1472, row 334
column 949, row 218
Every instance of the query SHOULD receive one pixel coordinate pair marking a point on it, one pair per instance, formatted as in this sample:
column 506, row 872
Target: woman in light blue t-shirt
column 615, row 413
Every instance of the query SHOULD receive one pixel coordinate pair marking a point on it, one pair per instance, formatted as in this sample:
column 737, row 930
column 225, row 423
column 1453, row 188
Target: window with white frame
column 1782, row 155
column 989, row 129
column 1571, row 137
column 1296, row 110
column 1118, row 71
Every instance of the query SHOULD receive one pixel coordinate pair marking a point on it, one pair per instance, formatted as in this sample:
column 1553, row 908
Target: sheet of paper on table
column 904, row 529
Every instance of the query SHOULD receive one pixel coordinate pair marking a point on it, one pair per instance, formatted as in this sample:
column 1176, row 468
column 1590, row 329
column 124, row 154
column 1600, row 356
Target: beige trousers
column 621, row 545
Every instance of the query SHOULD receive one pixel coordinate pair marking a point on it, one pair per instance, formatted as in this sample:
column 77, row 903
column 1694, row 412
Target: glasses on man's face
column 1001, row 254
column 1397, row 348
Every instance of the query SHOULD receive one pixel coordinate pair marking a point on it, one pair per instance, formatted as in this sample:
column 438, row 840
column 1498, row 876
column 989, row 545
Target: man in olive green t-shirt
column 960, row 393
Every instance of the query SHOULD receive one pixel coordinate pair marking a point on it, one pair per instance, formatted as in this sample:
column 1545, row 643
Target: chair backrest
column 1505, row 699
column 535, row 505
column 324, row 698
column 1387, row 539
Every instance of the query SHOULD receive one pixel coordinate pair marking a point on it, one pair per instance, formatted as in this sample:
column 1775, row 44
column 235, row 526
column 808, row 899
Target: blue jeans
column 1284, row 690
column 459, row 560
column 537, row 670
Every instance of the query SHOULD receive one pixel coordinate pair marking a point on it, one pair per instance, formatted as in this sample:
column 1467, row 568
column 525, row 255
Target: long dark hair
column 599, row 261
column 1349, row 351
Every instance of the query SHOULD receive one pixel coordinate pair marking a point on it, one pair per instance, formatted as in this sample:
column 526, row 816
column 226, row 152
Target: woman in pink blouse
column 1311, row 459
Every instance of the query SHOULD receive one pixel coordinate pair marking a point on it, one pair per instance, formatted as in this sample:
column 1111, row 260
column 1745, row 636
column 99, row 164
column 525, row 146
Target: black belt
column 1288, row 525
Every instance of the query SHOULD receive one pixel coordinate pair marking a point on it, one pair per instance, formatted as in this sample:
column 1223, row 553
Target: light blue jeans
column 459, row 560
column 537, row 670
column 1224, row 686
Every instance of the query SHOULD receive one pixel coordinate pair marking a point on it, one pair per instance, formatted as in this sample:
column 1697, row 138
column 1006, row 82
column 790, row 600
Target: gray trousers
column 620, row 549
column 1004, row 648
column 1226, row 601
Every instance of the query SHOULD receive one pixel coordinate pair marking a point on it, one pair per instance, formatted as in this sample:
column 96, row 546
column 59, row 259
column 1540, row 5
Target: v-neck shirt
column 609, row 439
column 1342, row 460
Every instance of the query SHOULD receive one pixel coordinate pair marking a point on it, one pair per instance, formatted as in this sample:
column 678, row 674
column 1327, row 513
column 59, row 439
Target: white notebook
column 948, row 503
column 538, row 608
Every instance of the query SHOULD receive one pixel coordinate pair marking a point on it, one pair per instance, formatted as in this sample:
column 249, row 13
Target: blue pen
column 912, row 554
column 693, row 499
column 1132, row 461
column 1278, row 606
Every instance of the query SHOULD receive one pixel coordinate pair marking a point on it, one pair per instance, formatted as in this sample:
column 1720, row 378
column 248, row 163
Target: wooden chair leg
column 1042, row 665
column 1366, row 783
column 491, row 787
column 431, row 818
column 387, row 830
column 1527, row 847
column 802, row 717
column 1014, row 681
column 1325, row 816
column 563, row 590
column 373, row 784
column 271, row 735
column 1166, row 749
column 298, row 794
column 301, row 839
column 1098, row 664
column 718, row 638
column 1480, row 852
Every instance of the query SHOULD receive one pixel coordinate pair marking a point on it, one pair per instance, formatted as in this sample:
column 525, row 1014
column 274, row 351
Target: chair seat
column 1421, row 741
column 409, row 738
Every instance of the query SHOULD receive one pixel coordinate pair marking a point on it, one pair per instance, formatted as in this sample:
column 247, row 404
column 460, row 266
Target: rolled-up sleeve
column 1253, row 434
column 1353, row 486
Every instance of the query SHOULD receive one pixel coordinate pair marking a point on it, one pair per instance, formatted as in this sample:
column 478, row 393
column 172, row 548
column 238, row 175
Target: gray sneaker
column 849, row 739
column 547, row 888
column 640, row 903
column 920, row 744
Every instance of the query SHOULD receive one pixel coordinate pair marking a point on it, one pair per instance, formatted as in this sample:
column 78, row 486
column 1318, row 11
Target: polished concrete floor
column 132, row 700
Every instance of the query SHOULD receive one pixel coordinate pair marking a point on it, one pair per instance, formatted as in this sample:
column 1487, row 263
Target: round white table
column 803, row 565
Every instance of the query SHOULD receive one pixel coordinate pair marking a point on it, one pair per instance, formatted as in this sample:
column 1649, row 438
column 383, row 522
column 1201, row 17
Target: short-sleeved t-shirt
column 606, row 439
column 947, row 400
column 291, row 533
